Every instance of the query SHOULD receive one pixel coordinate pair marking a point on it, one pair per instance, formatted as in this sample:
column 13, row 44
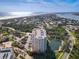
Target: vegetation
column 75, row 52
column 57, row 53
column 17, row 44
column 5, row 35
column 21, row 27
column 22, row 57
column 56, row 32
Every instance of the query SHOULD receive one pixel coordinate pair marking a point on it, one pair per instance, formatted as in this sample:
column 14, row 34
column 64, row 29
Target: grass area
column 58, row 54
column 73, row 33
column 11, row 39
column 5, row 33
column 75, row 52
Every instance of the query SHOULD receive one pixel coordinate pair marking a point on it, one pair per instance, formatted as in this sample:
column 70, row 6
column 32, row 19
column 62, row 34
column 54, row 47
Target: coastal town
column 45, row 36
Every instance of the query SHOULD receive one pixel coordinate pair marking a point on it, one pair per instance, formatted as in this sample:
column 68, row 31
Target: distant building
column 6, row 53
column 72, row 27
column 37, row 40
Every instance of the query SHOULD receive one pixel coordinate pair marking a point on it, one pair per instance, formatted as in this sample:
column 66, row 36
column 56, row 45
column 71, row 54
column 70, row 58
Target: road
column 72, row 38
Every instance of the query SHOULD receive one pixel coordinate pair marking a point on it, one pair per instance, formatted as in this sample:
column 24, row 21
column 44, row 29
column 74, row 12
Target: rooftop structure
column 6, row 53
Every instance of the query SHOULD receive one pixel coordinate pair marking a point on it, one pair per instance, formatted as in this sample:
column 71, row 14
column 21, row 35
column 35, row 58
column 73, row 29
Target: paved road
column 65, row 55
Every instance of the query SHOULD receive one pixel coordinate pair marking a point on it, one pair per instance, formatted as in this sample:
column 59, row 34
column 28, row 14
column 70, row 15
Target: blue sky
column 39, row 5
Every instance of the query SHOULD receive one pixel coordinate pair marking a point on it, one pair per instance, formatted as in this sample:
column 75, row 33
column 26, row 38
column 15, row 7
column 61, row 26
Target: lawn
column 58, row 54
column 75, row 52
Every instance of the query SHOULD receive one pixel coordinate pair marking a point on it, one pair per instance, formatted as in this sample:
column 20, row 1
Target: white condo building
column 37, row 40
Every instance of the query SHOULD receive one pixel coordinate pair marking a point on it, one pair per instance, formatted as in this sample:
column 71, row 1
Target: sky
column 39, row 5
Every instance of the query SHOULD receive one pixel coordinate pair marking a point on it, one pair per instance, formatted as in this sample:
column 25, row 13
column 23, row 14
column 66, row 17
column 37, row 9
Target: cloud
column 40, row 5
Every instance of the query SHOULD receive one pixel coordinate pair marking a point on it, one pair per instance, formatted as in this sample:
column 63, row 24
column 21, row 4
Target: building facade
column 37, row 40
